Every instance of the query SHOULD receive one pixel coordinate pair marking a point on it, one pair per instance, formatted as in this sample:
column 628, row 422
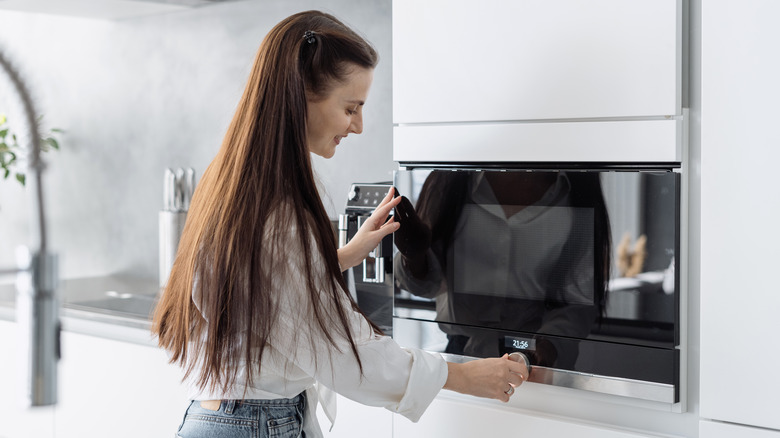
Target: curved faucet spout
column 37, row 308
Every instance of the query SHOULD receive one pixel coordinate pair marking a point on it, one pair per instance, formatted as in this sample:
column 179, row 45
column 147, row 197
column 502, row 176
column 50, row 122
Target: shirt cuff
column 429, row 373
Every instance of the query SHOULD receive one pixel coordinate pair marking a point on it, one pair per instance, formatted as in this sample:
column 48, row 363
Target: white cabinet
column 711, row 429
column 115, row 388
column 106, row 388
column 15, row 420
column 739, row 209
column 513, row 75
column 355, row 420
column 601, row 141
column 453, row 419
column 456, row 61
column 125, row 389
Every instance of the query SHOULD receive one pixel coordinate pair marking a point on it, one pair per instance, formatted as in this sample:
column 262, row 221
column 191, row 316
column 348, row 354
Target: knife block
column 171, row 225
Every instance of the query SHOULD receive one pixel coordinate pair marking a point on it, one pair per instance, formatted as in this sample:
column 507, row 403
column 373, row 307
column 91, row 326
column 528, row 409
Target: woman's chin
column 325, row 154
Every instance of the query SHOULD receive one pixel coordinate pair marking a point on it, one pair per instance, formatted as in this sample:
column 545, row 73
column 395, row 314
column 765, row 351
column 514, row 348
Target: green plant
column 10, row 149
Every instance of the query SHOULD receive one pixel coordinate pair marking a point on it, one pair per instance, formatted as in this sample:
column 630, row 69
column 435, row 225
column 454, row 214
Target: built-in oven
column 573, row 267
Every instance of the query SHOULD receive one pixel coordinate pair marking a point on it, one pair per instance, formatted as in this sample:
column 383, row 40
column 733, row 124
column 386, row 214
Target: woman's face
column 339, row 113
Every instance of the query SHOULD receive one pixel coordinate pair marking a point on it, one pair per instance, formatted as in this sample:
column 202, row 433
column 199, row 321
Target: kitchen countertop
column 114, row 307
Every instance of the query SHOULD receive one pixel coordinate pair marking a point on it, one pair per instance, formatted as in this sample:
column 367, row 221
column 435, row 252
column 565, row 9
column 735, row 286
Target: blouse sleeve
column 403, row 380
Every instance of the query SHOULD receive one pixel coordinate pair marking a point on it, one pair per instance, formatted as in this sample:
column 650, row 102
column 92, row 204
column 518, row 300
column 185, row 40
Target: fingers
column 509, row 377
column 382, row 210
column 518, row 369
column 516, row 379
column 389, row 227
column 391, row 223
column 517, row 373
column 388, row 197
column 490, row 378
column 388, row 203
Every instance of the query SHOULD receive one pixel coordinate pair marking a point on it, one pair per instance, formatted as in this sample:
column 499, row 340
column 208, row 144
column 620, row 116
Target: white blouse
column 300, row 358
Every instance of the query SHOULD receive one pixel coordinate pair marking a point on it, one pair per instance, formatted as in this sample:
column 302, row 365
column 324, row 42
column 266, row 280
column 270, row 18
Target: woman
column 256, row 310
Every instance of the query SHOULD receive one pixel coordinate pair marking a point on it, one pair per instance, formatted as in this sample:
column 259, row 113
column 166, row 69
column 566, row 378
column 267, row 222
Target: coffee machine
column 371, row 282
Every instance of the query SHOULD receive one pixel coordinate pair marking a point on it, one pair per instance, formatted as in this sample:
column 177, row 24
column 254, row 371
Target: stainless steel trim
column 379, row 269
column 343, row 228
column 652, row 391
column 375, row 258
column 9, row 271
column 534, row 121
column 189, row 186
column 37, row 316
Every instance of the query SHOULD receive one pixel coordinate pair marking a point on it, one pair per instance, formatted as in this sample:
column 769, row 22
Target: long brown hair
column 259, row 187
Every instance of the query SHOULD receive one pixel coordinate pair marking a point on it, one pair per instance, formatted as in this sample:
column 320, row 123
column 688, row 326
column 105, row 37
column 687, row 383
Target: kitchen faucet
column 37, row 309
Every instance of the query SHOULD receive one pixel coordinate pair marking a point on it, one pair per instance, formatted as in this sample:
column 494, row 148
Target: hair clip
column 309, row 36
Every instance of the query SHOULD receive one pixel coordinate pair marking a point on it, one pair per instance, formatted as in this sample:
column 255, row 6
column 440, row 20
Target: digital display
column 520, row 344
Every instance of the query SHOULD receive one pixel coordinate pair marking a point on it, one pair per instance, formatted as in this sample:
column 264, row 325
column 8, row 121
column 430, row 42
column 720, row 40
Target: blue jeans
column 279, row 418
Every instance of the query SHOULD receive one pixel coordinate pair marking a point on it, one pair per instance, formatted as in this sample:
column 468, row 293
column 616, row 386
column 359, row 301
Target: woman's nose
column 357, row 124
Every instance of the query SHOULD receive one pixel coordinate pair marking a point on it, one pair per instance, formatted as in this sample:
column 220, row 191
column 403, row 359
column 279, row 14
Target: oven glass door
column 574, row 268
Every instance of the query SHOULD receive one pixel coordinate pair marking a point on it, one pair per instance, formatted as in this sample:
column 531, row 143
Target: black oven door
column 576, row 269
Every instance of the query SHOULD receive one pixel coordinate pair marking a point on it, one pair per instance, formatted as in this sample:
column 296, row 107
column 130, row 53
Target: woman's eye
column 351, row 112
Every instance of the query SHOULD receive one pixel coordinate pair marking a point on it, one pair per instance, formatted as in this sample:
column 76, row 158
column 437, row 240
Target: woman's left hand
column 368, row 236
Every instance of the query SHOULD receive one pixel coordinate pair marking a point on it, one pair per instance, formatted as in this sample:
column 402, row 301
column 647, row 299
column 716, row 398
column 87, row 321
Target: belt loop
column 229, row 406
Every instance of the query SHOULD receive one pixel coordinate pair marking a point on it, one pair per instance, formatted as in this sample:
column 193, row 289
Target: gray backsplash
column 139, row 95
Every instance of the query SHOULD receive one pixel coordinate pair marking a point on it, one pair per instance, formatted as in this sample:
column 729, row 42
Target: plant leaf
column 20, row 177
column 48, row 142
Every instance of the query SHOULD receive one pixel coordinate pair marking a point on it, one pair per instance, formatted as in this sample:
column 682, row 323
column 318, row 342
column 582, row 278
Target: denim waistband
column 274, row 401
column 281, row 417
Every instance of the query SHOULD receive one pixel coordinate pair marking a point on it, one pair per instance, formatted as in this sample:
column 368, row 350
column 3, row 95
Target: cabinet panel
column 355, row 420
column 16, row 421
column 445, row 418
column 117, row 388
column 526, row 60
column 739, row 208
column 624, row 141
column 711, row 429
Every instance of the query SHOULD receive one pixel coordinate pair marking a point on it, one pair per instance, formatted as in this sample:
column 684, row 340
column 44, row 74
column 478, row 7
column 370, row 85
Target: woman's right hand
column 368, row 236
column 489, row 378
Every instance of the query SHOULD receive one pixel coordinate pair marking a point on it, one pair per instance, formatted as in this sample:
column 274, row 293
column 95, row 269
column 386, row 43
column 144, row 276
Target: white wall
column 139, row 95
